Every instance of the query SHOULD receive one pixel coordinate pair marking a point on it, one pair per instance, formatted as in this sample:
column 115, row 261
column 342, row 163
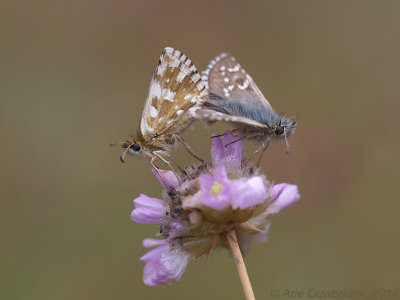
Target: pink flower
column 284, row 194
column 148, row 210
column 163, row 264
column 170, row 179
column 218, row 192
column 204, row 203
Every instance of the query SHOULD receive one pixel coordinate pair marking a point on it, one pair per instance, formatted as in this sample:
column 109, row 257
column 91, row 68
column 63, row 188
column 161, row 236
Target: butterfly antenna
column 116, row 143
column 287, row 143
column 124, row 153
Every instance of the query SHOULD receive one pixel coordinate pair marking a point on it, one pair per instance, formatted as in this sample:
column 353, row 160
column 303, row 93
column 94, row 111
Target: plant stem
column 240, row 266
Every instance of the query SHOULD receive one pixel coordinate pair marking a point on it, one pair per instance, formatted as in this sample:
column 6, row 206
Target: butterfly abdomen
column 260, row 114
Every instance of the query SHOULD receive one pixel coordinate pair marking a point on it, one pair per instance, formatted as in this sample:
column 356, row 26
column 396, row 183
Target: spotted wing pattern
column 227, row 83
column 213, row 116
column 226, row 78
column 175, row 88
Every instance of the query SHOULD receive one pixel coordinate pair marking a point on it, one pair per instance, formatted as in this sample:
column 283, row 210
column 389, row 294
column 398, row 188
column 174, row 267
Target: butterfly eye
column 279, row 130
column 135, row 147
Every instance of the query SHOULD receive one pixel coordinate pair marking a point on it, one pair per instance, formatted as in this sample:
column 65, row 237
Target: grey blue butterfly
column 234, row 97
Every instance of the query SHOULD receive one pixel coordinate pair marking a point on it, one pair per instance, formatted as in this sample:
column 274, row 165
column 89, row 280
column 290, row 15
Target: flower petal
column 163, row 264
column 148, row 243
column 154, row 254
column 147, row 210
column 284, row 194
column 247, row 192
column 230, row 156
column 221, row 197
column 169, row 177
column 172, row 265
column 220, row 174
column 149, row 273
column 217, row 149
column 262, row 236
column 175, row 227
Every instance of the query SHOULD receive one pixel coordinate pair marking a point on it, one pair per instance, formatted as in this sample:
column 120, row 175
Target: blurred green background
column 74, row 76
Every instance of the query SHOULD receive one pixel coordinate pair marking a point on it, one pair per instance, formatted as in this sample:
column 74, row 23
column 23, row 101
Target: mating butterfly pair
column 178, row 96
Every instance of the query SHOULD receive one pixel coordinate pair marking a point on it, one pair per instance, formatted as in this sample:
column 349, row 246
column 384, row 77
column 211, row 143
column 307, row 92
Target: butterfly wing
column 212, row 115
column 225, row 78
column 176, row 86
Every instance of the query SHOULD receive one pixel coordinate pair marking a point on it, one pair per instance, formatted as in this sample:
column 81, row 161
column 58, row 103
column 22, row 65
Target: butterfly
column 175, row 87
column 235, row 98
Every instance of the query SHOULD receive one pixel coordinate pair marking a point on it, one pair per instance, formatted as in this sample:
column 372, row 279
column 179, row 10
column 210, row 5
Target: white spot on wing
column 169, row 95
column 179, row 112
column 149, row 129
column 226, row 79
column 181, row 76
column 143, row 125
column 193, row 111
column 244, row 85
column 160, row 120
column 153, row 112
column 195, row 77
column 188, row 62
column 234, row 69
column 226, row 92
column 155, row 90
column 187, row 96
column 169, row 50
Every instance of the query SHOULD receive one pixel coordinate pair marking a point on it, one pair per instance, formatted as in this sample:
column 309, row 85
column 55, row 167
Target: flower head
column 227, row 150
column 212, row 199
column 163, row 264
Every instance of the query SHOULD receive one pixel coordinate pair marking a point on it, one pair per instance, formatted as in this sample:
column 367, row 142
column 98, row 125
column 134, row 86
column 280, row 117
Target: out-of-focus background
column 74, row 76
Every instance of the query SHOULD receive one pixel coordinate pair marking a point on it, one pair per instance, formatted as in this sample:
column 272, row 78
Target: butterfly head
column 134, row 148
column 284, row 129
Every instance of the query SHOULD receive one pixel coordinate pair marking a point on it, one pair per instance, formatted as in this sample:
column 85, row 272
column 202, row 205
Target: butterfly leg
column 263, row 147
column 255, row 152
column 243, row 137
column 157, row 154
column 186, row 145
column 218, row 135
column 155, row 168
column 262, row 154
column 222, row 134
column 178, row 166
